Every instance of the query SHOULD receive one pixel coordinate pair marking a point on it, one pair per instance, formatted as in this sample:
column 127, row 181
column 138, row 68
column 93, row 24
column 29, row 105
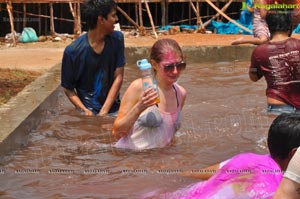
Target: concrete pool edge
column 23, row 113
column 199, row 53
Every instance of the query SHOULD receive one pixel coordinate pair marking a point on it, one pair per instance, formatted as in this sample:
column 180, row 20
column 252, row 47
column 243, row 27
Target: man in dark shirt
column 93, row 65
column 279, row 62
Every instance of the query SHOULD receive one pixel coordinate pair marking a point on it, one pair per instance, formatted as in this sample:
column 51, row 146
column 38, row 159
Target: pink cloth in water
column 244, row 176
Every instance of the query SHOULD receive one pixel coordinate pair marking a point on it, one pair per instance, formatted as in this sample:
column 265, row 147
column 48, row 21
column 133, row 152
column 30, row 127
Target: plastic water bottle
column 147, row 76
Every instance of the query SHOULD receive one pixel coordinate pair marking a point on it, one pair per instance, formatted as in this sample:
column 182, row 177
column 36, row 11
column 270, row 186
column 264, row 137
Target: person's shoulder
column 262, row 47
column 292, row 39
column 244, row 160
column 135, row 87
column 137, row 84
column 77, row 44
column 117, row 35
column 181, row 89
column 254, row 158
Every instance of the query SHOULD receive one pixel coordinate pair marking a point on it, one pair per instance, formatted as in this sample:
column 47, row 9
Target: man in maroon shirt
column 279, row 62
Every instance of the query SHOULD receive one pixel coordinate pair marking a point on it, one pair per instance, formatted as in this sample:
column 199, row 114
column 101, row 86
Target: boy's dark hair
column 94, row 8
column 279, row 20
column 284, row 135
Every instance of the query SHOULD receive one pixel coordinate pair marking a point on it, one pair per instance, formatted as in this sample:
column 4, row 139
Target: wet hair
column 162, row 46
column 284, row 135
column 94, row 8
column 279, row 20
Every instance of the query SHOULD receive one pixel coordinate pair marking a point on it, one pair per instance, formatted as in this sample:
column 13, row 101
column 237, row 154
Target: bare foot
column 237, row 41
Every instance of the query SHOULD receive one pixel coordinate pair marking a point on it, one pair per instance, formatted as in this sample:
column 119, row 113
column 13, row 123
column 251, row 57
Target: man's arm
column 254, row 74
column 67, row 81
column 287, row 189
column 71, row 94
column 113, row 92
column 203, row 174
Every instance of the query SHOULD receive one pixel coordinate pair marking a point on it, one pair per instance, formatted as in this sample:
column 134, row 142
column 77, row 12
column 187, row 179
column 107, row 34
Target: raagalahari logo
column 247, row 6
column 276, row 6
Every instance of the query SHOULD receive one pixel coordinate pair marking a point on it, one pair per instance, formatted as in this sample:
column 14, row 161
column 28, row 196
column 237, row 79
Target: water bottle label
column 147, row 85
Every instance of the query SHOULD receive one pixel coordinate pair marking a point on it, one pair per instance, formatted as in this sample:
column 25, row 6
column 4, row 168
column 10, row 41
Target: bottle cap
column 143, row 64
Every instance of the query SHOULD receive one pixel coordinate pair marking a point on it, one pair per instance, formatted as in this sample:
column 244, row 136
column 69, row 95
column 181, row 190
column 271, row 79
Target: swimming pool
column 70, row 155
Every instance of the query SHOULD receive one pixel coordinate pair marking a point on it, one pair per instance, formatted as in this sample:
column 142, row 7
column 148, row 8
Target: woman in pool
column 141, row 122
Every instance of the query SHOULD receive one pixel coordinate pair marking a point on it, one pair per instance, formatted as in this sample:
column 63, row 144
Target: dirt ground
column 13, row 81
column 39, row 56
column 33, row 59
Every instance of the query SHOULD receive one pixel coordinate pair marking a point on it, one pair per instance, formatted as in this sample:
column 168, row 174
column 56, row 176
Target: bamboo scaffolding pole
column 167, row 11
column 75, row 10
column 71, row 9
column 46, row 21
column 199, row 21
column 24, row 15
column 79, row 18
column 216, row 15
column 218, row 5
column 139, row 27
column 75, row 31
column 163, row 4
column 195, row 18
column 198, row 11
column 43, row 16
column 52, row 29
column 136, row 12
column 151, row 20
column 228, row 18
column 40, row 25
column 141, row 14
column 11, row 19
column 127, row 17
column 190, row 15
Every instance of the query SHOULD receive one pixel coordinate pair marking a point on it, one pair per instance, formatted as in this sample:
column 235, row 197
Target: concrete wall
column 198, row 53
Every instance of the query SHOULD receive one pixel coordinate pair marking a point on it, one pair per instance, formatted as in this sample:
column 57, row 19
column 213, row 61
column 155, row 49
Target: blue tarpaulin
column 245, row 20
column 167, row 27
column 230, row 28
column 224, row 28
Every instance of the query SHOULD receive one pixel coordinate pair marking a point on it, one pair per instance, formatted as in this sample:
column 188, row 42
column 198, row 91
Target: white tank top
column 154, row 128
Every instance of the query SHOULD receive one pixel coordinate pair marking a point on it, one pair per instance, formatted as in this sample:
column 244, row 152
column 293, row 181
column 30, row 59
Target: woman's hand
column 148, row 98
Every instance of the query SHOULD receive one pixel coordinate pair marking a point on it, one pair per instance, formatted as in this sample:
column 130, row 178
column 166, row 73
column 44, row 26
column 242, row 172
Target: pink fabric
column 245, row 176
column 259, row 25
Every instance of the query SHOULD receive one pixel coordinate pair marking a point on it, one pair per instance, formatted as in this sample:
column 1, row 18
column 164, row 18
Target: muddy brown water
column 70, row 155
